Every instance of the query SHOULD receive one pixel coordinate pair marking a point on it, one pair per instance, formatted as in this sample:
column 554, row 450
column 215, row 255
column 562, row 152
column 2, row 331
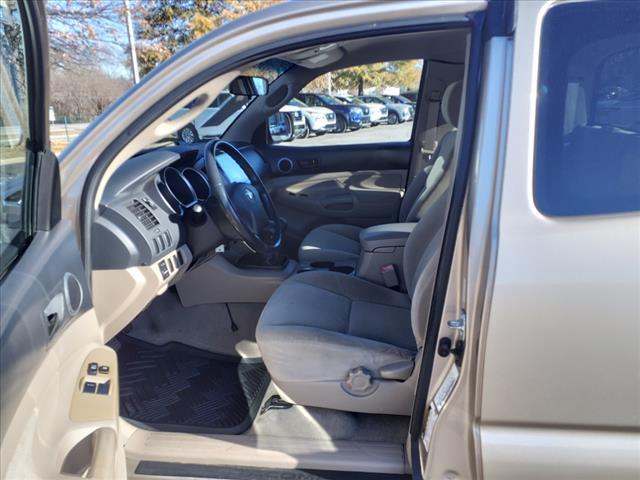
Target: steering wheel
column 246, row 204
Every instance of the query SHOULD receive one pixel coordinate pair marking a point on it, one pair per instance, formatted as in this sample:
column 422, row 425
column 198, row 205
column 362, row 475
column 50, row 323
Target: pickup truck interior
column 267, row 302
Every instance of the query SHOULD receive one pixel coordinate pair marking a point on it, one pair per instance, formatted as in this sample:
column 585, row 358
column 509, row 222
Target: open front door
column 58, row 383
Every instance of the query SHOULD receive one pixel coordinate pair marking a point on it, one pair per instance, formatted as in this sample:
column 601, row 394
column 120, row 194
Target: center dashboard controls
column 171, row 265
column 164, row 269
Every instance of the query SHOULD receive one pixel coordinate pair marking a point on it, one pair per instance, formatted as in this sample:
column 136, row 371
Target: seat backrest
column 423, row 184
column 422, row 247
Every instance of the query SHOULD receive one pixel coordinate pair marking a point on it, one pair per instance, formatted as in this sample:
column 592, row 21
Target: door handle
column 54, row 313
column 308, row 162
column 104, row 454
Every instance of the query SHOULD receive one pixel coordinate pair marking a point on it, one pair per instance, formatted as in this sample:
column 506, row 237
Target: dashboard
column 142, row 214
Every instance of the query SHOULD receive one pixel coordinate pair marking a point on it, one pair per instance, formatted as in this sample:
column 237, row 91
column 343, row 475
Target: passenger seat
column 337, row 243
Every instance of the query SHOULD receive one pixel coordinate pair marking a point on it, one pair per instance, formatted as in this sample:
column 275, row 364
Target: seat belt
column 430, row 138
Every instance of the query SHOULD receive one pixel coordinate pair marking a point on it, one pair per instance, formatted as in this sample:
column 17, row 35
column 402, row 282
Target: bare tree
column 85, row 32
column 81, row 92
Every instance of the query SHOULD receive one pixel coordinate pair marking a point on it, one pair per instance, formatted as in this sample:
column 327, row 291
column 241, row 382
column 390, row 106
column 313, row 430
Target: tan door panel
column 362, row 198
column 52, row 422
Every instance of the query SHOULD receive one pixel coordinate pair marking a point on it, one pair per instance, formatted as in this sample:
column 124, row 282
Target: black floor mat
column 178, row 388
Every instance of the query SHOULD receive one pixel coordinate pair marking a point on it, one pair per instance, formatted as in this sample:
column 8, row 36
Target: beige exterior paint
column 560, row 393
column 550, row 384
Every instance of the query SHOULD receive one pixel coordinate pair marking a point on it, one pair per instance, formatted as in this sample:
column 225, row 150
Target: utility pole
column 132, row 43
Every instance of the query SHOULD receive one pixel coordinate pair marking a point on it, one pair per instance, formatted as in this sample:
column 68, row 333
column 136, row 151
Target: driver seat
column 338, row 341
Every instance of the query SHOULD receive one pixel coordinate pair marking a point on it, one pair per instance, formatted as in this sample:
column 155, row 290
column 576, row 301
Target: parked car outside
column 377, row 113
column 349, row 116
column 411, row 95
column 207, row 124
column 398, row 112
column 401, row 99
column 319, row 120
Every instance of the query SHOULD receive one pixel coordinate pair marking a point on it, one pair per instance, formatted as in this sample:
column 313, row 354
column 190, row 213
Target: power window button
column 92, row 369
column 103, row 388
column 103, row 369
column 89, row 387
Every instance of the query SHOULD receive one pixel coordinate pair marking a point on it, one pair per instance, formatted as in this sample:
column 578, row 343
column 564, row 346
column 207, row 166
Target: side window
column 14, row 134
column 587, row 148
column 349, row 107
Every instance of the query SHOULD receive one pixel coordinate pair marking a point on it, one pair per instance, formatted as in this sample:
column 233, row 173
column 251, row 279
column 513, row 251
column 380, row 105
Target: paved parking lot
column 61, row 136
column 380, row 133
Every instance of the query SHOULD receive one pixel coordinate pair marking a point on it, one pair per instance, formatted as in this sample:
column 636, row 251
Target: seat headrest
column 451, row 101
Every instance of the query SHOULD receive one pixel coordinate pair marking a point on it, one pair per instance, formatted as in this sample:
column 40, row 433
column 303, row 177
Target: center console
column 382, row 249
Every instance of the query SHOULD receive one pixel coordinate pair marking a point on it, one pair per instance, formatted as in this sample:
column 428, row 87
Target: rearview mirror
column 249, row 86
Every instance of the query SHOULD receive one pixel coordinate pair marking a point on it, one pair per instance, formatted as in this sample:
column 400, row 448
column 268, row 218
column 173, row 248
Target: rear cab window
column 587, row 144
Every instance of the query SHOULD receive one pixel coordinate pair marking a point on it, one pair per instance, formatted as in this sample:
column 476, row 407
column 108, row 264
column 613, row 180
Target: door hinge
column 459, row 324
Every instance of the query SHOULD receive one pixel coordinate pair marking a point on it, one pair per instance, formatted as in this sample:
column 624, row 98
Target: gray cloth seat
column 339, row 320
column 334, row 242
column 339, row 243
column 338, row 341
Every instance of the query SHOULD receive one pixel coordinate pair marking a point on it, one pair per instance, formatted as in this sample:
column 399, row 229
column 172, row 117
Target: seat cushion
column 319, row 325
column 331, row 243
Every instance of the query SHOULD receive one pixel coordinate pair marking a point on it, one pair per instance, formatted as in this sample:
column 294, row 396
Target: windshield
column 214, row 121
column 356, row 100
column 329, row 99
column 294, row 102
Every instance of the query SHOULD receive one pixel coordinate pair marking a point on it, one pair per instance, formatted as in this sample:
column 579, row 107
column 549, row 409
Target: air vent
column 142, row 213
column 285, row 165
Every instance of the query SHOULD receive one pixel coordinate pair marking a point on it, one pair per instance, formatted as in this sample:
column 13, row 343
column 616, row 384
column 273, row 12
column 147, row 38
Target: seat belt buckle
column 389, row 275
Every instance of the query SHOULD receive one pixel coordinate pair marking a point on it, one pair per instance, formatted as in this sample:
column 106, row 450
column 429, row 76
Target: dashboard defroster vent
column 143, row 214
